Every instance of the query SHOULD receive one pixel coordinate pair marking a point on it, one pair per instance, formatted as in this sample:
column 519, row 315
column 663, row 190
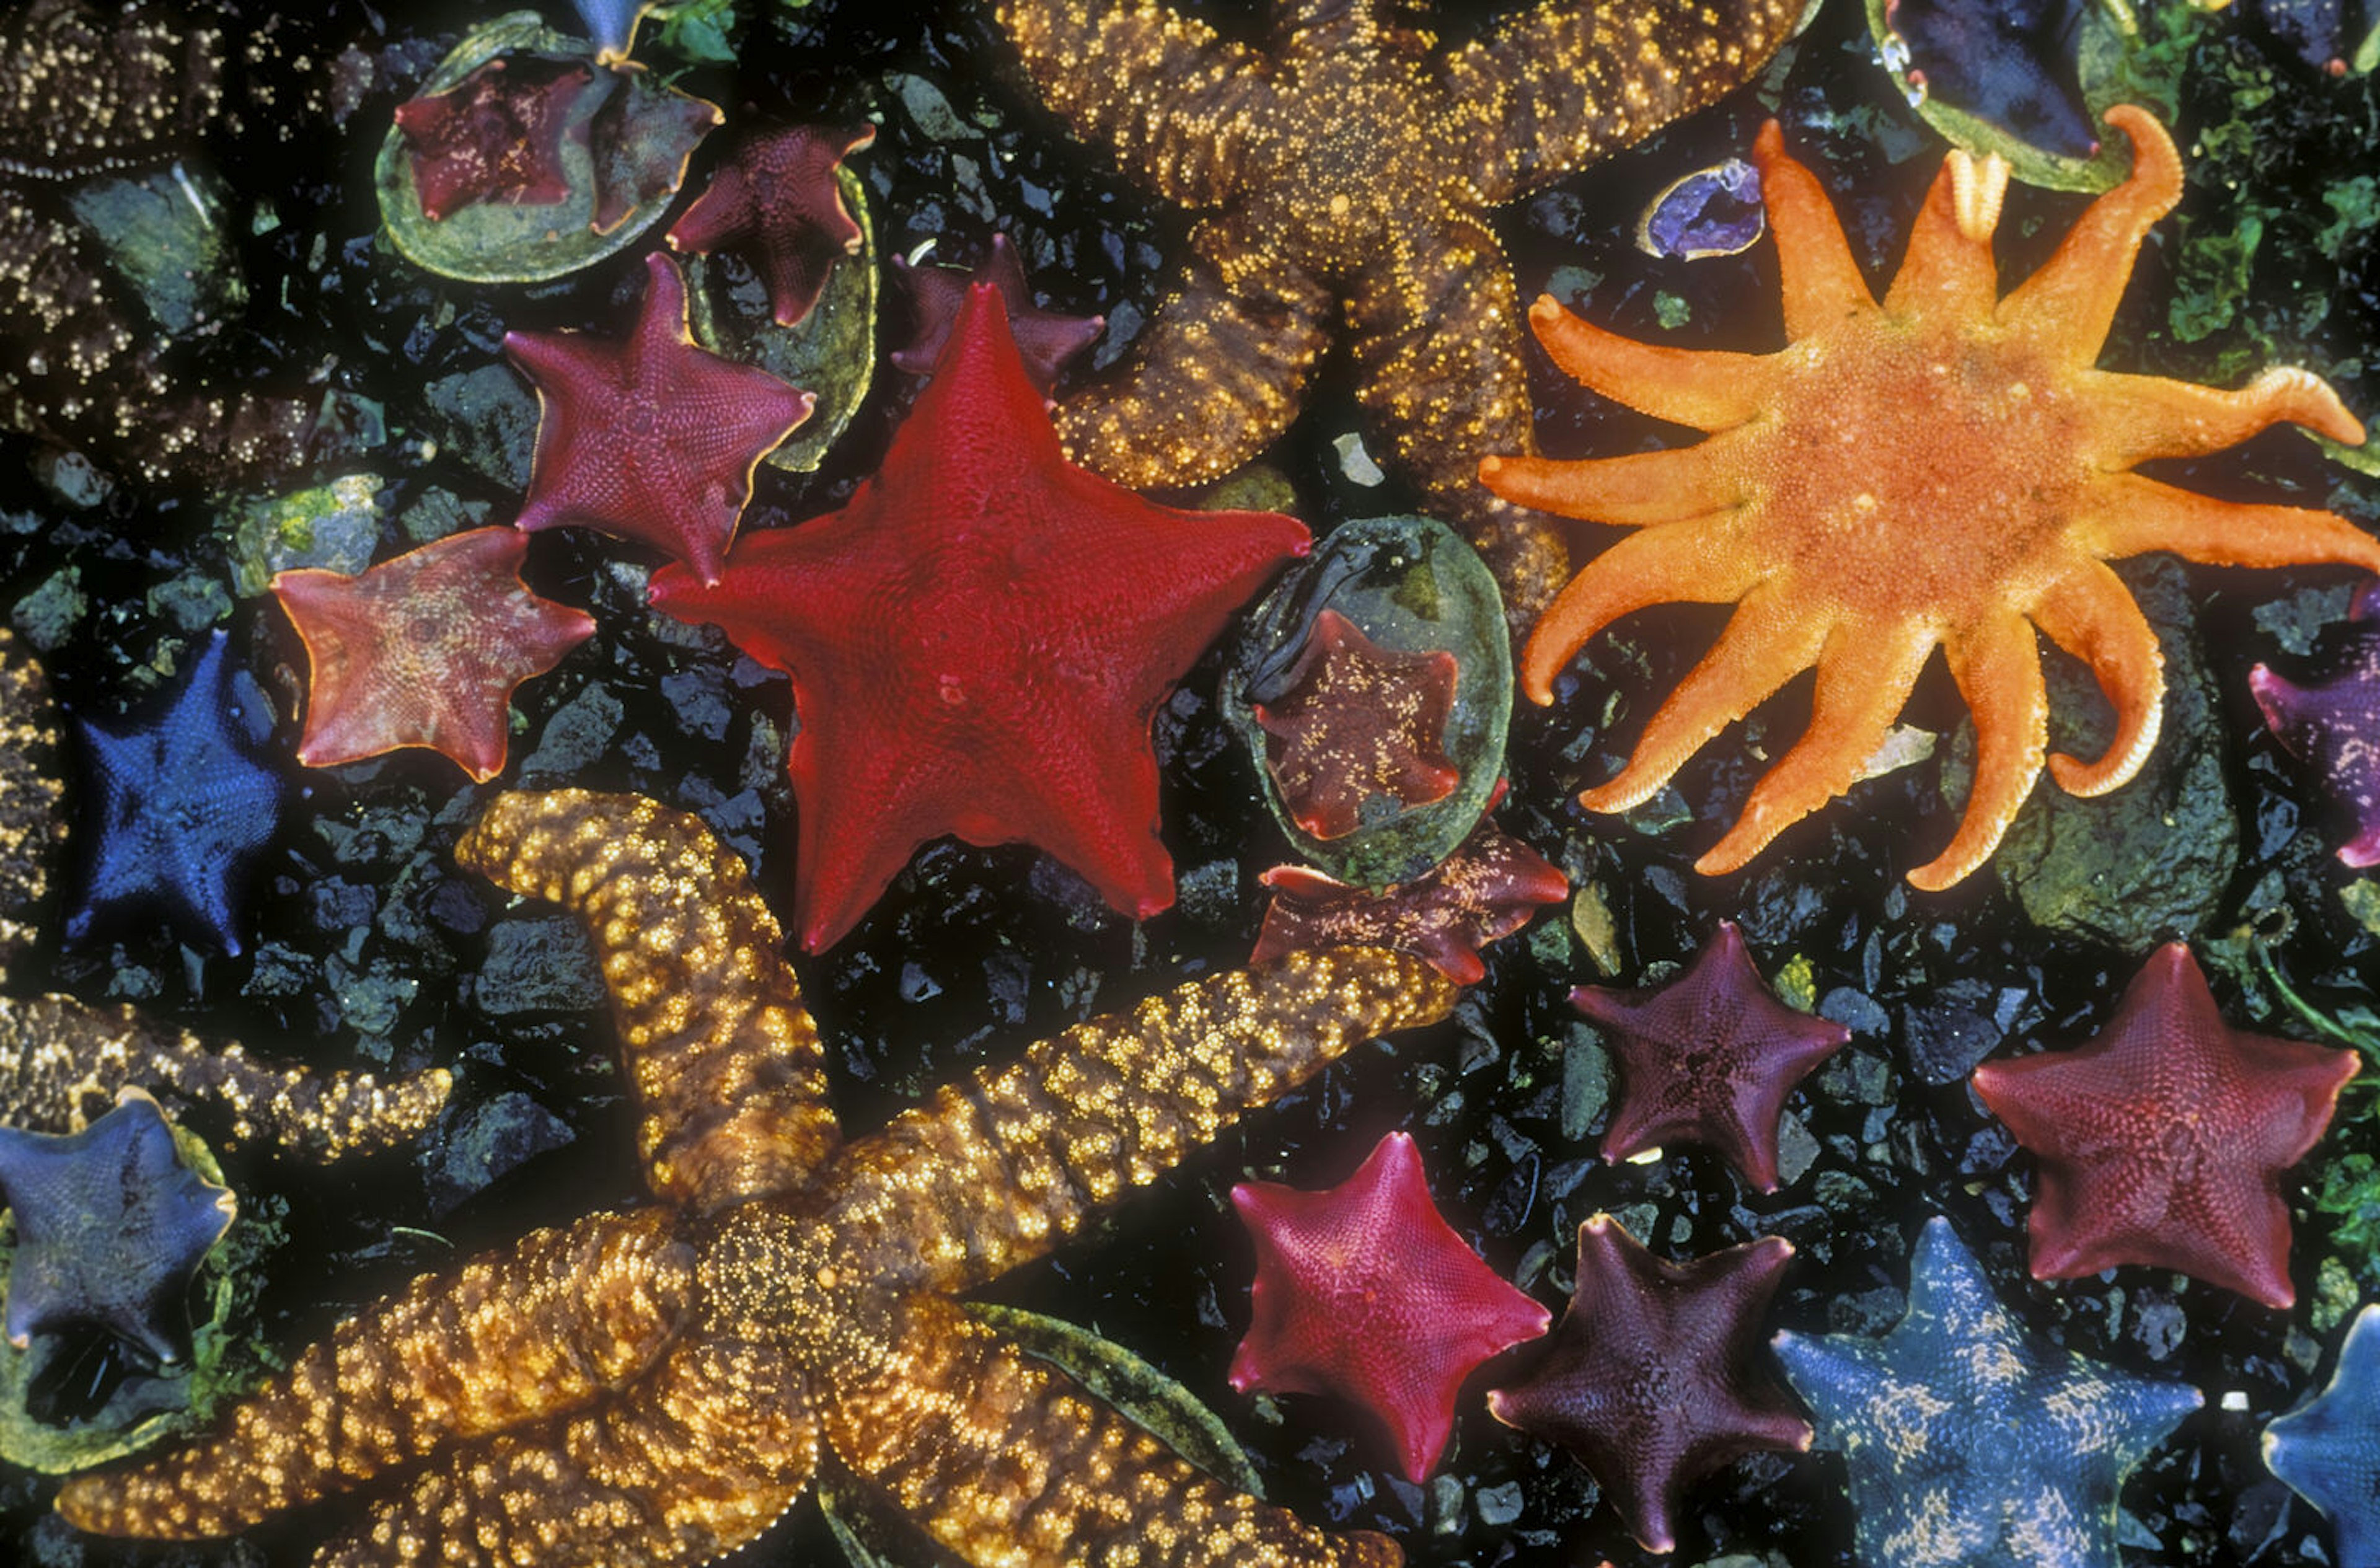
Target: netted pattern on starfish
column 1349, row 175
column 729, row 1072
column 60, row 1058
column 1946, row 468
column 31, row 825
column 1080, row 1483
column 654, row 1388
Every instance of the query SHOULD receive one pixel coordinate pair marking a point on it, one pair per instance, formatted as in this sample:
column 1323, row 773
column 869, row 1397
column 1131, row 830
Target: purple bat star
column 2335, row 727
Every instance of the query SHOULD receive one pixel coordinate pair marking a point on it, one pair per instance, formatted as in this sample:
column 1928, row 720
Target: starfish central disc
column 980, row 641
column 1855, row 538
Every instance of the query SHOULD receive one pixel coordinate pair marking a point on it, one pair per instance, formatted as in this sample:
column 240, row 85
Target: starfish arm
column 2091, row 614
column 1441, row 381
column 729, row 1071
column 1819, row 280
column 57, row 1054
column 1947, row 273
column 999, row 1168
column 2137, row 418
column 1670, row 562
column 2132, row 516
column 1998, row 666
column 695, row 1461
column 1218, row 373
column 1768, row 643
column 1637, row 491
column 1705, row 389
column 2067, row 307
column 1553, row 88
column 949, row 1402
column 1864, row 677
column 1172, row 99
column 542, row 1328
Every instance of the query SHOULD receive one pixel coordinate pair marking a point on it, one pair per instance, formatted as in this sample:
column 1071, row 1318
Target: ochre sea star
column 657, row 1386
column 1349, row 175
column 1855, row 537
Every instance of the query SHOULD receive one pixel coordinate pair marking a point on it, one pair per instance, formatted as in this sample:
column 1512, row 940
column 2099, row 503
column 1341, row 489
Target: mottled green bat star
column 1971, row 1442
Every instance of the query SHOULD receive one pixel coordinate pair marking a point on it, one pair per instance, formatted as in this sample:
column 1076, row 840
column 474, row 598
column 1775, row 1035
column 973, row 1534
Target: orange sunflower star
column 1854, row 538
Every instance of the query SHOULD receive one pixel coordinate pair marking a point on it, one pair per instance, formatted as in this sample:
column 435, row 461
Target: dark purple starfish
column 1490, row 887
column 1707, row 1059
column 1045, row 338
column 2335, row 727
column 1652, row 1379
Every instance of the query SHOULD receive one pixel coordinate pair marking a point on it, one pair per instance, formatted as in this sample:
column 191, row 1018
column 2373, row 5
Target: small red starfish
column 1364, row 1291
column 496, row 135
column 425, row 650
column 1045, row 338
column 777, row 195
column 1651, row 1380
column 980, row 641
column 1708, row 1059
column 1353, row 721
column 2162, row 1141
column 1490, row 887
column 650, row 439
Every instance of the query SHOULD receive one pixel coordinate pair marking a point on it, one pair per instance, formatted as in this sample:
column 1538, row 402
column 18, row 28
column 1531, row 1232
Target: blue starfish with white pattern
column 182, row 805
column 1972, row 1443
column 2328, row 1448
column 111, row 1225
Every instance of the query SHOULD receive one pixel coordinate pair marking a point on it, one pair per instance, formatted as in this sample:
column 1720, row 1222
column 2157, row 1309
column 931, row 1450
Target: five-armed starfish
column 1346, row 180
column 656, row 1387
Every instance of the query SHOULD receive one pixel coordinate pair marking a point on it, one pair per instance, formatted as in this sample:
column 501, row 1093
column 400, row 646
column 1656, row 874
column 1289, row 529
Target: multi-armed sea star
column 1349, row 175
column 1944, row 468
column 657, row 1386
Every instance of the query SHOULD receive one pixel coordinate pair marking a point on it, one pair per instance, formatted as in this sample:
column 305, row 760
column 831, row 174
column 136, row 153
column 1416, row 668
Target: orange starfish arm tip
column 1705, row 389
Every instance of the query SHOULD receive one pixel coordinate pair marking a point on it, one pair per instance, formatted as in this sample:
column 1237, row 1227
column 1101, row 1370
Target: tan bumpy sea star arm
column 60, row 1059
column 543, row 1327
column 948, row 1402
column 1168, row 96
column 1004, row 1164
column 729, row 1071
column 1551, row 88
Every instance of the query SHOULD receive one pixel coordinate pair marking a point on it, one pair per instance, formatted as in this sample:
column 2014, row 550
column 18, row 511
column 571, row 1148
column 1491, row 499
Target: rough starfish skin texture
column 1651, row 1380
column 2163, row 1140
column 1355, row 720
column 32, row 825
column 777, row 196
column 1970, row 1442
column 424, row 650
column 656, row 1387
column 181, row 806
column 1045, row 338
column 93, row 88
column 2335, row 727
column 1855, row 537
column 1708, row 1059
column 110, row 1225
column 650, row 439
column 978, row 642
column 495, row 136
column 1345, row 183
column 58, row 1056
column 1363, row 1292
column 1489, row 887
column 2328, row 1448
